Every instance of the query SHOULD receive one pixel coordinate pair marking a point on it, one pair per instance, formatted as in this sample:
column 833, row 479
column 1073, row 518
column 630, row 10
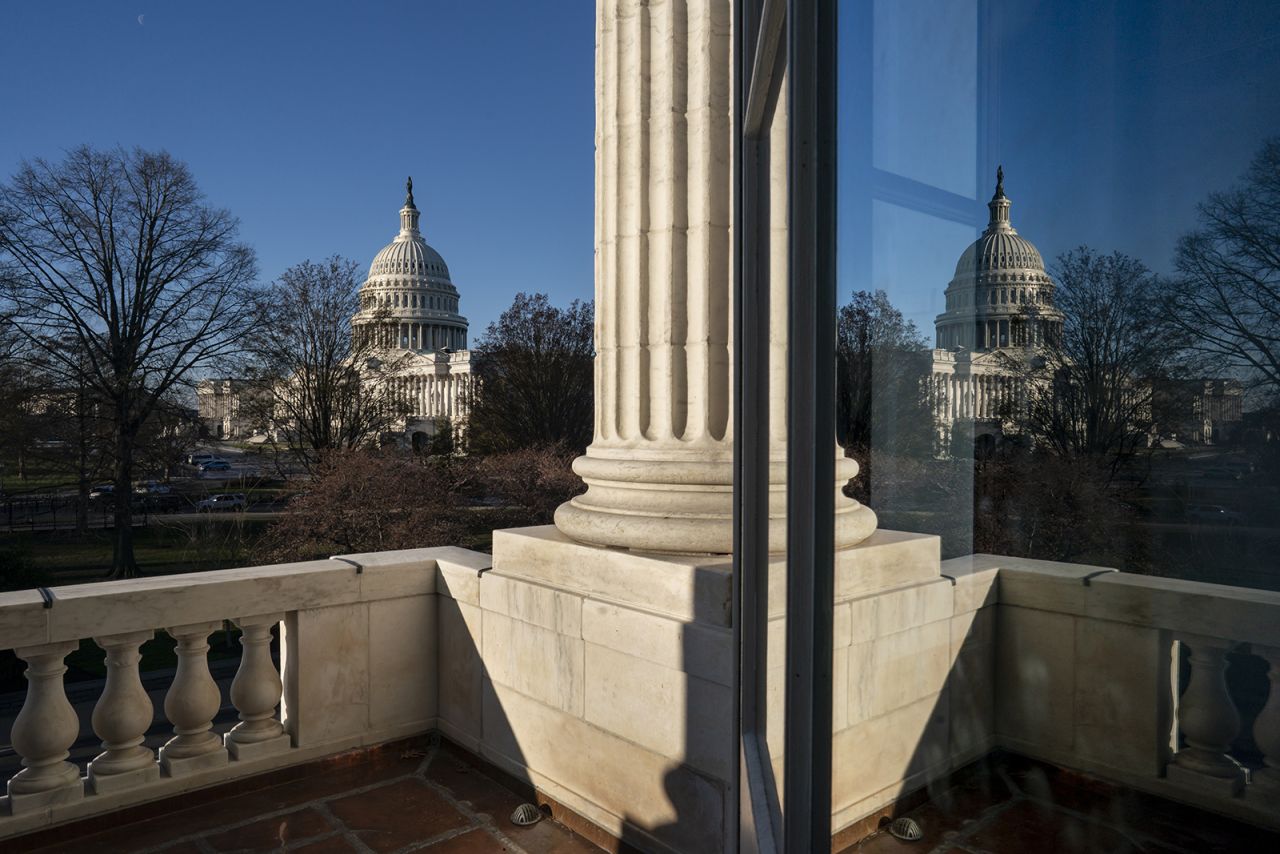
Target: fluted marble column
column 659, row 471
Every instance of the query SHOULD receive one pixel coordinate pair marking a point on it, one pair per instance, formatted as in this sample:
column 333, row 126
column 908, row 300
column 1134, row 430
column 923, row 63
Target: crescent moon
column 140, row 17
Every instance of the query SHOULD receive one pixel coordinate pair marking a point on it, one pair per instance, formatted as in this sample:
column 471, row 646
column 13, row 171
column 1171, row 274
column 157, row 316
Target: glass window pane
column 1059, row 332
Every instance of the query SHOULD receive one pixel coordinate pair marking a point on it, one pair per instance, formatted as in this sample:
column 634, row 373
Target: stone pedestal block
column 109, row 784
column 248, row 751
column 1205, row 784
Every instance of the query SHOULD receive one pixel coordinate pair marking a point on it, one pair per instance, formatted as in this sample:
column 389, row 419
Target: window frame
column 795, row 40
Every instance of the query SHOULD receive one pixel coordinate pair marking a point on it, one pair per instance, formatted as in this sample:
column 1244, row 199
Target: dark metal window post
column 809, row 28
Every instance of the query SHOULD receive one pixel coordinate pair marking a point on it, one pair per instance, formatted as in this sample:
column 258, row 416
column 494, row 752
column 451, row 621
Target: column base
column 685, row 507
column 245, row 751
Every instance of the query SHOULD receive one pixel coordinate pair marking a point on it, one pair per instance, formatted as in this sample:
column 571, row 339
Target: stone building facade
column 231, row 408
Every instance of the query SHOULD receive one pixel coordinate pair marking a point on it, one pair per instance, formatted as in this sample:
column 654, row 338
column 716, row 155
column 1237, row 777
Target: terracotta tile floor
column 424, row 795
column 417, row 795
column 1010, row 805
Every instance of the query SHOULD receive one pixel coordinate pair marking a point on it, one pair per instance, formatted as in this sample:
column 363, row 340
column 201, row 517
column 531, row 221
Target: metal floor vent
column 906, row 828
column 526, row 814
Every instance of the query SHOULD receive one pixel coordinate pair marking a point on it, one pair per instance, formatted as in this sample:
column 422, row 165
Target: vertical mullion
column 810, row 422
column 756, row 800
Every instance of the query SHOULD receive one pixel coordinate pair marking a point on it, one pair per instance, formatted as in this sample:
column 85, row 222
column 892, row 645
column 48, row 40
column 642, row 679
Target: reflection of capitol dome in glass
column 1001, row 249
column 1000, row 295
column 408, row 301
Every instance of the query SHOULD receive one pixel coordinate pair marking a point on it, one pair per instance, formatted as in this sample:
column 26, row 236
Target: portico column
column 659, row 471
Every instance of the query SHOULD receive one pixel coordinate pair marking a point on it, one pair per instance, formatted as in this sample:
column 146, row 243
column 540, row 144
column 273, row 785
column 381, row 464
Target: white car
column 224, row 501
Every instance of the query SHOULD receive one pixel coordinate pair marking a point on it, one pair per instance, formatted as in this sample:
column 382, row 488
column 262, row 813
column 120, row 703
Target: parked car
column 224, row 501
column 102, row 490
column 151, row 487
column 1212, row 513
column 215, row 465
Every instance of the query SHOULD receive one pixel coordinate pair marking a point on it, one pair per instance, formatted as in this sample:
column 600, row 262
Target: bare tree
column 534, row 378
column 365, row 500
column 1089, row 389
column 1226, row 298
column 882, row 364
column 122, row 278
column 321, row 387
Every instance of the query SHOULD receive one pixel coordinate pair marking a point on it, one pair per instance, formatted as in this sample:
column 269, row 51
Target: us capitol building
column 409, row 308
column 999, row 307
column 409, row 317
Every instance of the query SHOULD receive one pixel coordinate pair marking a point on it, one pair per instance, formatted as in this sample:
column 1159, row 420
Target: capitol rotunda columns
column 659, row 470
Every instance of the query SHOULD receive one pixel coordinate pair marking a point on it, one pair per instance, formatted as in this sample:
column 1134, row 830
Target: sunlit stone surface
column 659, row 471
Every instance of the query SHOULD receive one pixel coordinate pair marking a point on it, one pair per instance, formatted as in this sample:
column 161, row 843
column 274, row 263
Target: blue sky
column 304, row 119
column 1112, row 120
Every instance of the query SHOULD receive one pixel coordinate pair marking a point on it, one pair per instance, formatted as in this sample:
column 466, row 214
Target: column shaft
column 659, row 471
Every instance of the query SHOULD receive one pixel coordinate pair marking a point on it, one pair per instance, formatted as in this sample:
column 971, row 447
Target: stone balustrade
column 1126, row 676
column 357, row 646
column 629, row 659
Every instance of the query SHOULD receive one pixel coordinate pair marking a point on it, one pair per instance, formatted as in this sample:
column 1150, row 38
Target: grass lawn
column 162, row 548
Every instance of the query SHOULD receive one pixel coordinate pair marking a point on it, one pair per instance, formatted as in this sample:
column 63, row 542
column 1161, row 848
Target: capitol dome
column 1000, row 295
column 409, row 256
column 408, row 301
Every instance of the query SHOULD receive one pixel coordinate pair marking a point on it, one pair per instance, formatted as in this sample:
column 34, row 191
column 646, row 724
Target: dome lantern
column 999, row 206
column 409, row 213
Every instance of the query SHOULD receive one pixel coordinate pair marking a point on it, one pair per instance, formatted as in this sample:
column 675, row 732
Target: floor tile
column 183, row 848
column 471, row 785
column 272, row 833
column 332, row 845
column 398, row 814
column 471, row 842
column 1028, row 826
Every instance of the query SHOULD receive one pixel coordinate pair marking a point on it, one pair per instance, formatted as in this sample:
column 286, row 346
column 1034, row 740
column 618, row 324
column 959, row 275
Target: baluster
column 256, row 693
column 1266, row 729
column 43, row 733
column 121, row 719
column 1209, row 721
column 190, row 705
